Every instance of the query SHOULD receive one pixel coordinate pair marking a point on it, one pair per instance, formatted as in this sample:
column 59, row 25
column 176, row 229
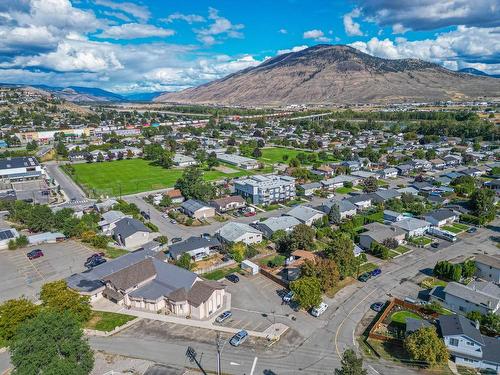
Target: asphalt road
column 320, row 352
column 71, row 189
column 178, row 230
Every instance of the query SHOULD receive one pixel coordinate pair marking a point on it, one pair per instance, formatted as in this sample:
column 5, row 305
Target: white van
column 318, row 310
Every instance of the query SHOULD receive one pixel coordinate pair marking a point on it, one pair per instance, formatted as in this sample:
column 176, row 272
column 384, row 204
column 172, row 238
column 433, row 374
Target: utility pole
column 219, row 343
column 191, row 354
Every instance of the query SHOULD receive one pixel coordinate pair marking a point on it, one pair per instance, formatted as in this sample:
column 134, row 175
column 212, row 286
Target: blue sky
column 153, row 45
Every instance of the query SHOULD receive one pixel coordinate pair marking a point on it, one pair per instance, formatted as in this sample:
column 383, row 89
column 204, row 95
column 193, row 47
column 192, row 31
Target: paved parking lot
column 21, row 276
column 32, row 190
column 256, row 304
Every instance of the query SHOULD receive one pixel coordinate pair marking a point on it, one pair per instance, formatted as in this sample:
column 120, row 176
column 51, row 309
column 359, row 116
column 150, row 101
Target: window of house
column 470, row 343
column 453, row 342
column 461, row 308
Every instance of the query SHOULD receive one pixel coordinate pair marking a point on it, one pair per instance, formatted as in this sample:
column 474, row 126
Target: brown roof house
column 228, row 203
column 142, row 280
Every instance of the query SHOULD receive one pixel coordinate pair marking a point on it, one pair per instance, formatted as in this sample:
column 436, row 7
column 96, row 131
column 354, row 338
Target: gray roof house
column 233, row 232
column 381, row 196
column 197, row 209
column 273, row 224
column 412, row 226
column 467, row 345
column 305, row 214
column 142, row 281
column 197, row 247
column 130, row 233
column 488, row 267
column 441, row 217
column 346, row 207
column 481, row 296
column 379, row 233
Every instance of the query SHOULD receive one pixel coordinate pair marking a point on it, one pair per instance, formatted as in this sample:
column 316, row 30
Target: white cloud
column 316, row 35
column 220, row 27
column 135, row 31
column 351, row 27
column 431, row 14
column 189, row 18
column 398, row 28
column 138, row 11
column 283, row 31
column 72, row 55
column 293, row 49
column 460, row 47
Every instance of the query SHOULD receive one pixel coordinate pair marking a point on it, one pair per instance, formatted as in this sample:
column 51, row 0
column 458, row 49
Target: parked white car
column 318, row 310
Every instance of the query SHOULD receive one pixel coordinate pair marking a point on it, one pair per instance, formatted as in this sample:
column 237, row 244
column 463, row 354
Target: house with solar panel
column 6, row 235
column 20, row 169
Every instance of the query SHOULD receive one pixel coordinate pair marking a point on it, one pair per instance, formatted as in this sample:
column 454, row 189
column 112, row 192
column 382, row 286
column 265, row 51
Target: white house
column 234, row 232
column 488, row 267
column 306, row 215
column 197, row 248
column 467, row 346
column 182, row 161
column 197, row 209
column 412, row 227
column 441, row 217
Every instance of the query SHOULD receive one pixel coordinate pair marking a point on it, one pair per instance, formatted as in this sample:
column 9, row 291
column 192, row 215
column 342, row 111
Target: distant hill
column 337, row 74
column 477, row 72
column 75, row 93
column 142, row 96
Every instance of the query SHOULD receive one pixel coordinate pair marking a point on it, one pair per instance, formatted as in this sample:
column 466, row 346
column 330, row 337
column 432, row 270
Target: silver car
column 224, row 316
column 239, row 338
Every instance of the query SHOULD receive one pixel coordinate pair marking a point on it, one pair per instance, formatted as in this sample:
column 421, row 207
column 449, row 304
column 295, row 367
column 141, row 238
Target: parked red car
column 33, row 254
column 249, row 214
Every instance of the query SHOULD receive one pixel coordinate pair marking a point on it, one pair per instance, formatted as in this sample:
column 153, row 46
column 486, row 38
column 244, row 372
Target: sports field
column 132, row 176
column 274, row 155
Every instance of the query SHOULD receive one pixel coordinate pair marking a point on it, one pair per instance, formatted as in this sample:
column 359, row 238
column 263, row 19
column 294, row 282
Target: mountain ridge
column 336, row 74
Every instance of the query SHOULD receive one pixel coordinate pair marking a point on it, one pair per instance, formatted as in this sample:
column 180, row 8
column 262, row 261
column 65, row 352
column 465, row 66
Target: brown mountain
column 326, row 74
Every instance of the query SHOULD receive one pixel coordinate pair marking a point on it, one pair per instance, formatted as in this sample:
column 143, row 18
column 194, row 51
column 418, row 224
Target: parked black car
column 233, row 278
column 94, row 262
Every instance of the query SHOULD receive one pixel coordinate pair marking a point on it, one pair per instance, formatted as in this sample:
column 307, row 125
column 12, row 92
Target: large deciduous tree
column 192, row 185
column 13, row 313
column 424, row 345
column 51, row 343
column 341, row 251
column 58, row 297
column 307, row 291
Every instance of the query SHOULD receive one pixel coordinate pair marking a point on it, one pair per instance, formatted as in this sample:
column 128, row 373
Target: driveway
column 21, row 276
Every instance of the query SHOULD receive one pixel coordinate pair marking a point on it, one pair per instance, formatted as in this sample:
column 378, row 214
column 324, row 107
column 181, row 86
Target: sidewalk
column 273, row 332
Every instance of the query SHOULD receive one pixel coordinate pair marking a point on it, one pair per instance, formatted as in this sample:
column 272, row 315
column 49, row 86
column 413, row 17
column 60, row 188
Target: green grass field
column 274, row 155
column 107, row 321
column 400, row 316
column 132, row 176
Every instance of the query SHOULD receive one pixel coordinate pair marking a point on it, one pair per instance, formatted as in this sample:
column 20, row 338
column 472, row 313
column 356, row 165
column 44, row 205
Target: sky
column 167, row 45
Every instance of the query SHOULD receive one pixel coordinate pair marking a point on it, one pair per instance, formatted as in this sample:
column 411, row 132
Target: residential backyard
column 123, row 177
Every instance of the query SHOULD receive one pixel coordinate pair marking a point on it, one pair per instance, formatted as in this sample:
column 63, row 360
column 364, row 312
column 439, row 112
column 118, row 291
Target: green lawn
column 393, row 253
column 367, row 267
column 460, row 226
column 402, row 249
column 107, row 321
column 400, row 316
column 422, row 240
column 220, row 273
column 431, row 282
column 344, row 190
column 452, row 229
column 132, row 176
column 274, row 155
column 113, row 252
